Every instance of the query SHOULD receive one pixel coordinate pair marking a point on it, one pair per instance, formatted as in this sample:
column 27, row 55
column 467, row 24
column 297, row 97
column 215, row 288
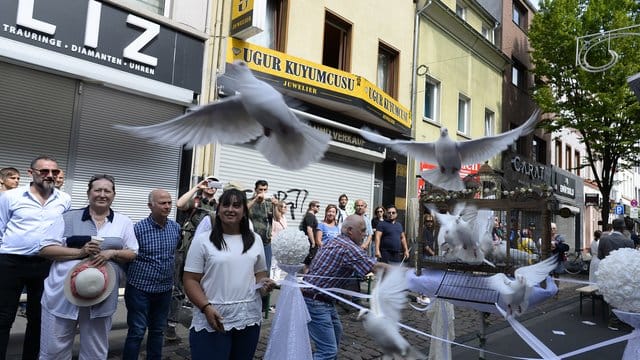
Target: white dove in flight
column 450, row 155
column 380, row 321
column 516, row 292
column 257, row 110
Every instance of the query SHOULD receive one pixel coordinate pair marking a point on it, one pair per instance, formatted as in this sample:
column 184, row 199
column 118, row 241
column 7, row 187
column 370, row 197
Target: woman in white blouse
column 225, row 275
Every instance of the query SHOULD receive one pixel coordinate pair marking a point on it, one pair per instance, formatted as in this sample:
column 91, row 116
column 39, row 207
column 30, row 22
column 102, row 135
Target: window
column 487, row 33
column 567, row 158
column 461, row 11
column 431, row 99
column 518, row 75
column 578, row 160
column 558, row 154
column 463, row 114
column 336, row 50
column 273, row 35
column 539, row 150
column 519, row 15
column 157, row 6
column 489, row 122
column 387, row 78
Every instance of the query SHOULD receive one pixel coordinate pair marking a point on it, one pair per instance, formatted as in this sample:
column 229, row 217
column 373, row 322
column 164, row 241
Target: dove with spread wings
column 450, row 155
column 380, row 321
column 516, row 293
column 256, row 111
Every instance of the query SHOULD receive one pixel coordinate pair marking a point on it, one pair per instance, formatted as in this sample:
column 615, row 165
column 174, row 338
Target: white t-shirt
column 228, row 280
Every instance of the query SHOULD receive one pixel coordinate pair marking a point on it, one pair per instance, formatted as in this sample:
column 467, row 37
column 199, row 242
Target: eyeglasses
column 45, row 172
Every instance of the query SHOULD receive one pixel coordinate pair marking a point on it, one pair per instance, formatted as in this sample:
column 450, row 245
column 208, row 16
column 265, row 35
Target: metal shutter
column 36, row 110
column 325, row 180
column 138, row 166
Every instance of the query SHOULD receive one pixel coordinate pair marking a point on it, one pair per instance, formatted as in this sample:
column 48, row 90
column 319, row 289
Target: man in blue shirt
column 27, row 216
column 391, row 243
column 150, row 278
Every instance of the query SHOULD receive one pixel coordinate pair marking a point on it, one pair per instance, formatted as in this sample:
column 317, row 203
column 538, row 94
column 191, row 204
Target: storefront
column 337, row 103
column 569, row 190
column 70, row 70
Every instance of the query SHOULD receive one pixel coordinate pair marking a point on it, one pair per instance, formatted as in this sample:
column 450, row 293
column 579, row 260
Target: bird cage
column 530, row 204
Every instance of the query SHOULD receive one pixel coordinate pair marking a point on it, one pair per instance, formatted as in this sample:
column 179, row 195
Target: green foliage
column 600, row 106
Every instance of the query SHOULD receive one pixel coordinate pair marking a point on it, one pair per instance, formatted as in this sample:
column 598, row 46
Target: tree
column 599, row 106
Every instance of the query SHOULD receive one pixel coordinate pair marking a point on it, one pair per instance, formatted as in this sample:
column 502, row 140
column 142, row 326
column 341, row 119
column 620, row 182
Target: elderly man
column 27, row 216
column 361, row 209
column 150, row 278
column 608, row 243
column 332, row 266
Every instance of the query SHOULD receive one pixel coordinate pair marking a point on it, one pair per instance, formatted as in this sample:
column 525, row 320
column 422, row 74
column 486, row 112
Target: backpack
column 189, row 228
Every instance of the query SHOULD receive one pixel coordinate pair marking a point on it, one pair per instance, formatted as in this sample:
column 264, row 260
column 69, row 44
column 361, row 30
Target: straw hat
column 86, row 285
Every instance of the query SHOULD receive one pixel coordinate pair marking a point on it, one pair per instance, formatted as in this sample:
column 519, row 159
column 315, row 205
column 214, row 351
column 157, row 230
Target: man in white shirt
column 27, row 216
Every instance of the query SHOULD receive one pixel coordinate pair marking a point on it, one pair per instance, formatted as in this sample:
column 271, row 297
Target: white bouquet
column 618, row 279
column 290, row 246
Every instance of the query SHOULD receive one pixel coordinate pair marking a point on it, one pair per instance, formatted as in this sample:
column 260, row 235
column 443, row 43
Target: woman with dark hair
column 100, row 235
column 378, row 215
column 224, row 267
column 328, row 228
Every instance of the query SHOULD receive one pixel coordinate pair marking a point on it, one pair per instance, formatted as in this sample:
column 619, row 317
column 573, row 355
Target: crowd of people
column 70, row 262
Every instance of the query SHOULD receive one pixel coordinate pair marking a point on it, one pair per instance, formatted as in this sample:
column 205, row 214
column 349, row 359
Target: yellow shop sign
column 310, row 78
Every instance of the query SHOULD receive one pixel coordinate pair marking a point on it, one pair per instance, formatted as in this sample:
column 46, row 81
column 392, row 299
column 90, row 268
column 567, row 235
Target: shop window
column 489, row 122
column 336, row 50
column 463, row 114
column 387, row 78
column 273, row 35
column 160, row 7
column 431, row 99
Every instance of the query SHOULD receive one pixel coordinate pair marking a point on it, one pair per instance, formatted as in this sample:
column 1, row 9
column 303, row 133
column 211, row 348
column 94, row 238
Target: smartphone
column 214, row 184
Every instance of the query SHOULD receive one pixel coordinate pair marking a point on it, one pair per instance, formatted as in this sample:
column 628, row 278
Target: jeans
column 19, row 272
column 267, row 255
column 233, row 344
column 390, row 256
column 325, row 329
column 145, row 310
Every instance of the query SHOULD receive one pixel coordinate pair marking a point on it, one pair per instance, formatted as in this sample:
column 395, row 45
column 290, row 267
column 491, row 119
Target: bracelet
column 204, row 307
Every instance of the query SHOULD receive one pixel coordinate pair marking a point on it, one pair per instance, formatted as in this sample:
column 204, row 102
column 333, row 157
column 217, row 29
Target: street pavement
column 559, row 314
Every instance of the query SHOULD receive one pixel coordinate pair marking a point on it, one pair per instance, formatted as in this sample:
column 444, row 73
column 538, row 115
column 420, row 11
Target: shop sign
column 107, row 35
column 308, row 78
column 247, row 18
column 533, row 171
column 565, row 186
column 592, row 199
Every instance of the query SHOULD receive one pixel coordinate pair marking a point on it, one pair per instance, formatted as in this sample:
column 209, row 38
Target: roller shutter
column 323, row 181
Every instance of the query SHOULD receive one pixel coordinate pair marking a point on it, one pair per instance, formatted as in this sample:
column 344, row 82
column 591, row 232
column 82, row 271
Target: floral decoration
column 290, row 246
column 618, row 279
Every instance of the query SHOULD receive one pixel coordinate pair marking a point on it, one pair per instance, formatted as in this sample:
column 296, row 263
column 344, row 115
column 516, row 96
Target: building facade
column 70, row 70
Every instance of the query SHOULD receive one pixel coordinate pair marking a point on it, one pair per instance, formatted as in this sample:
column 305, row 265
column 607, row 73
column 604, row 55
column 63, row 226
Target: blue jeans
column 325, row 329
column 233, row 344
column 145, row 310
column 267, row 256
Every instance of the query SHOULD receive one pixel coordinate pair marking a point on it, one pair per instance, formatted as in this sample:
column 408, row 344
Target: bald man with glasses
column 28, row 215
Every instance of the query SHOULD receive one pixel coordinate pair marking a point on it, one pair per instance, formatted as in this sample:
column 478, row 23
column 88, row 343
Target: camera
column 214, row 184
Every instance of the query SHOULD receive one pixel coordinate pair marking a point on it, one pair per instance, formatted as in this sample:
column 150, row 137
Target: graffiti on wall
column 295, row 200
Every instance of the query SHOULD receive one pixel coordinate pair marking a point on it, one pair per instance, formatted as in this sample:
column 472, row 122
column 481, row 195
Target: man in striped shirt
column 150, row 278
column 332, row 267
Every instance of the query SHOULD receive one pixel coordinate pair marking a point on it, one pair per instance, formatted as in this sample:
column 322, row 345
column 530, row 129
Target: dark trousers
column 233, row 344
column 391, row 256
column 18, row 272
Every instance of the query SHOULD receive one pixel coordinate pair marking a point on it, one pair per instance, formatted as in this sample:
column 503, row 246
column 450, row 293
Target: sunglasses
column 45, row 172
column 391, row 212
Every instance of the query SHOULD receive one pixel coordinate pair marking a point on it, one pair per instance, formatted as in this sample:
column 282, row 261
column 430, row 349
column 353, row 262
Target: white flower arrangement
column 618, row 279
column 290, row 246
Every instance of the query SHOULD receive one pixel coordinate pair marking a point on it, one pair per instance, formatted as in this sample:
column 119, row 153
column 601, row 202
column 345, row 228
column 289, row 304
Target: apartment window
column 519, row 15
column 336, row 50
column 578, row 160
column 567, row 157
column 274, row 32
column 461, row 11
column 489, row 122
column 539, row 150
column 387, row 78
column 518, row 74
column 463, row 114
column 558, row 154
column 487, row 33
column 157, row 6
column 431, row 99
